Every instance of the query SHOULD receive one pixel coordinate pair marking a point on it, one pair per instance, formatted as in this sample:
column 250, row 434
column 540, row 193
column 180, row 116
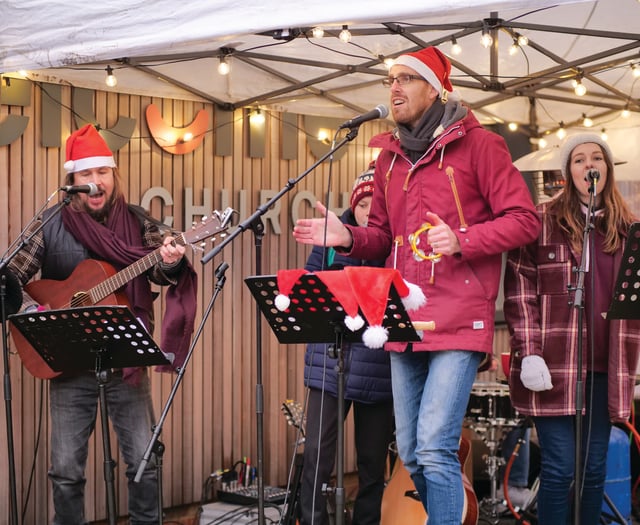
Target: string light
column 542, row 143
column 586, row 121
column 580, row 89
column 486, row 39
column 514, row 47
column 513, row 126
column 603, row 134
column 625, row 112
column 223, row 66
column 256, row 117
column 345, row 35
column 561, row 133
column 388, row 62
column 455, row 47
column 635, row 70
column 523, row 40
column 317, row 32
column 111, row 79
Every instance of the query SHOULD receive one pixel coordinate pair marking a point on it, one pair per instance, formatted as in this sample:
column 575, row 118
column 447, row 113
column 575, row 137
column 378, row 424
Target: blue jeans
column 73, row 405
column 557, row 465
column 430, row 396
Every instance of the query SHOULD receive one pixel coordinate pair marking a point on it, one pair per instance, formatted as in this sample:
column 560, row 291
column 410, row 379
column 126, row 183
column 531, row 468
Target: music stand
column 626, row 297
column 99, row 338
column 316, row 316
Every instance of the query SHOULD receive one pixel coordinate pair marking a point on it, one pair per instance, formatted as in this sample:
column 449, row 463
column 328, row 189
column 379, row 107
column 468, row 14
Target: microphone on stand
column 593, row 175
column 380, row 111
column 90, row 188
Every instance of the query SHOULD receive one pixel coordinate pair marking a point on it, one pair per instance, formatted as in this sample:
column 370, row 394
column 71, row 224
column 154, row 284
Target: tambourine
column 414, row 240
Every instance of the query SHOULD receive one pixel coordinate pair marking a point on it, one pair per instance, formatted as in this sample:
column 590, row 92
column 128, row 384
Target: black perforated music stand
column 316, row 316
column 315, row 313
column 626, row 297
column 98, row 338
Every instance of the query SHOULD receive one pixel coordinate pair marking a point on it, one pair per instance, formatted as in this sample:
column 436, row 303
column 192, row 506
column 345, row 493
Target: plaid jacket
column 543, row 322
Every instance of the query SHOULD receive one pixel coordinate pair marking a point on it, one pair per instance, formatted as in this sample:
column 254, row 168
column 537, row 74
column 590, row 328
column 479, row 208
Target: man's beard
column 101, row 214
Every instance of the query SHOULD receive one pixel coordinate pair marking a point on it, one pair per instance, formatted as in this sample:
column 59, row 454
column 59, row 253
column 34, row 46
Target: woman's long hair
column 567, row 210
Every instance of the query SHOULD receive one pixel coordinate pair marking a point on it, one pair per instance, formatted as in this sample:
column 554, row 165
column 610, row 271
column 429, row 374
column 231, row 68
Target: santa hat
column 362, row 187
column 337, row 282
column 286, row 281
column 572, row 141
column 370, row 286
column 432, row 65
column 87, row 149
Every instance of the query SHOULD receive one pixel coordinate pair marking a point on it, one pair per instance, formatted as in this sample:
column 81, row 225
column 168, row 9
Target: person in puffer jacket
column 367, row 377
column 445, row 181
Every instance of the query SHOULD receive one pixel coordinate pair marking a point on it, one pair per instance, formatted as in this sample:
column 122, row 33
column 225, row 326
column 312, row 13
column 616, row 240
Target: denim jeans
column 73, row 405
column 556, row 436
column 373, row 425
column 430, row 396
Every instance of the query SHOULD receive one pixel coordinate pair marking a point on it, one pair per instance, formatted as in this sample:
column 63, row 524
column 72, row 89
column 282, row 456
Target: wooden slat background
column 212, row 422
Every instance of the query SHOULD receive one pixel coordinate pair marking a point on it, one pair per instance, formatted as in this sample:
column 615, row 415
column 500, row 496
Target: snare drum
column 489, row 402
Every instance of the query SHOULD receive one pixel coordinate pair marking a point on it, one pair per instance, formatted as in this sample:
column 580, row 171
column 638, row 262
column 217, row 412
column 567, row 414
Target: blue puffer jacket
column 367, row 371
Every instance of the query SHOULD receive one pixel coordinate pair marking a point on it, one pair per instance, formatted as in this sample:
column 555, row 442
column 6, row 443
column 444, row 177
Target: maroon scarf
column 119, row 242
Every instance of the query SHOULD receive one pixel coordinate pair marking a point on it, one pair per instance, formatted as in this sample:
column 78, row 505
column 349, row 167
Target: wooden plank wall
column 213, row 420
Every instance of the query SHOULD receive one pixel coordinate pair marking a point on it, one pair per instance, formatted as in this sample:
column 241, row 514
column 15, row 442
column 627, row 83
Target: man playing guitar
column 97, row 226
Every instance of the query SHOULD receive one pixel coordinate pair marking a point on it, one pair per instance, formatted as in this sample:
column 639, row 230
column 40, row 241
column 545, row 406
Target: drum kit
column 491, row 415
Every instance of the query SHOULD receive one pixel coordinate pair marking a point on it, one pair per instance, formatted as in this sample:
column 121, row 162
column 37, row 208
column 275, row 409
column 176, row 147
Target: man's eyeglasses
column 402, row 80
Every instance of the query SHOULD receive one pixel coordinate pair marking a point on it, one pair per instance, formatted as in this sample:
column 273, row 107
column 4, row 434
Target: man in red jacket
column 438, row 166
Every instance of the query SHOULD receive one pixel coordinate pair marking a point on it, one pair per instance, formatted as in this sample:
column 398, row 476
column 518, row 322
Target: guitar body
column 402, row 506
column 97, row 283
column 60, row 295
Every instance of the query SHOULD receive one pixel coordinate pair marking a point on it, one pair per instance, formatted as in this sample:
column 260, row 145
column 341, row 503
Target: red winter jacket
column 471, row 165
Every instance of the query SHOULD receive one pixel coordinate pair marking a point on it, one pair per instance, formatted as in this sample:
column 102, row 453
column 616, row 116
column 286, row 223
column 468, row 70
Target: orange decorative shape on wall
column 177, row 140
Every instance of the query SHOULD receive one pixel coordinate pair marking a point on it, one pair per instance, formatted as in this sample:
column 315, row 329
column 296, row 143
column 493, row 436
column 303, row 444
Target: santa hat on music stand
column 286, row 281
column 371, row 286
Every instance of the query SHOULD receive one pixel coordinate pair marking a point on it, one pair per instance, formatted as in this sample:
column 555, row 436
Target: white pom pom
column 282, row 302
column 69, row 165
column 354, row 323
column 416, row 297
column 375, row 336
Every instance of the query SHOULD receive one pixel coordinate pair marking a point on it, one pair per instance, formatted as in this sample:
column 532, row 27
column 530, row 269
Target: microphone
column 380, row 111
column 593, row 175
column 90, row 188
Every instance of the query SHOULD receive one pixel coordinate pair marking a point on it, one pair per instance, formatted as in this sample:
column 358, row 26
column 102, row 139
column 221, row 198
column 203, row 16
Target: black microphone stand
column 578, row 303
column 155, row 446
column 17, row 245
column 251, row 222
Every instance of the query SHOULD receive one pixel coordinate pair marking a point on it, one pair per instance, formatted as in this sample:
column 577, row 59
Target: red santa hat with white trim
column 87, row 149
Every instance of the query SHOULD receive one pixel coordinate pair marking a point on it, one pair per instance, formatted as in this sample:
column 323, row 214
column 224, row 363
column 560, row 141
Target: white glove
column 535, row 374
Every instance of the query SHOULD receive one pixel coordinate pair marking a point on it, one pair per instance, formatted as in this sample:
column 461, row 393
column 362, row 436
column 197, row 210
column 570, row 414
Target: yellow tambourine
column 414, row 240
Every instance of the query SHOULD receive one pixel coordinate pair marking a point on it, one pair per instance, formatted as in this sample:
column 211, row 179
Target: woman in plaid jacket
column 544, row 329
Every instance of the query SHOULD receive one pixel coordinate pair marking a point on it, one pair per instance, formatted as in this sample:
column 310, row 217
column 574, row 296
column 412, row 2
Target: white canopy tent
column 172, row 50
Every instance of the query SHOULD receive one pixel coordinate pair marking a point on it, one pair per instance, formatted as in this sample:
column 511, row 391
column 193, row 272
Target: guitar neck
column 117, row 281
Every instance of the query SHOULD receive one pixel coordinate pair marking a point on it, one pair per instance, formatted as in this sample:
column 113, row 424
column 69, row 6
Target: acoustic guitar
column 96, row 282
column 401, row 504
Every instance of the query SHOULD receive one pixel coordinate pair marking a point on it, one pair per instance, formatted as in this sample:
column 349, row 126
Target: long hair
column 567, row 211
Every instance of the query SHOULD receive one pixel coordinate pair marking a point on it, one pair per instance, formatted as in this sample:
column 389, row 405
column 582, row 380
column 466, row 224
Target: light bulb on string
column 625, row 112
column 513, row 49
column 580, row 89
column 561, row 133
column 223, row 66
column 603, row 135
column 111, row 79
column 456, row 49
column 317, row 32
column 345, row 35
column 486, row 39
column 586, row 121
